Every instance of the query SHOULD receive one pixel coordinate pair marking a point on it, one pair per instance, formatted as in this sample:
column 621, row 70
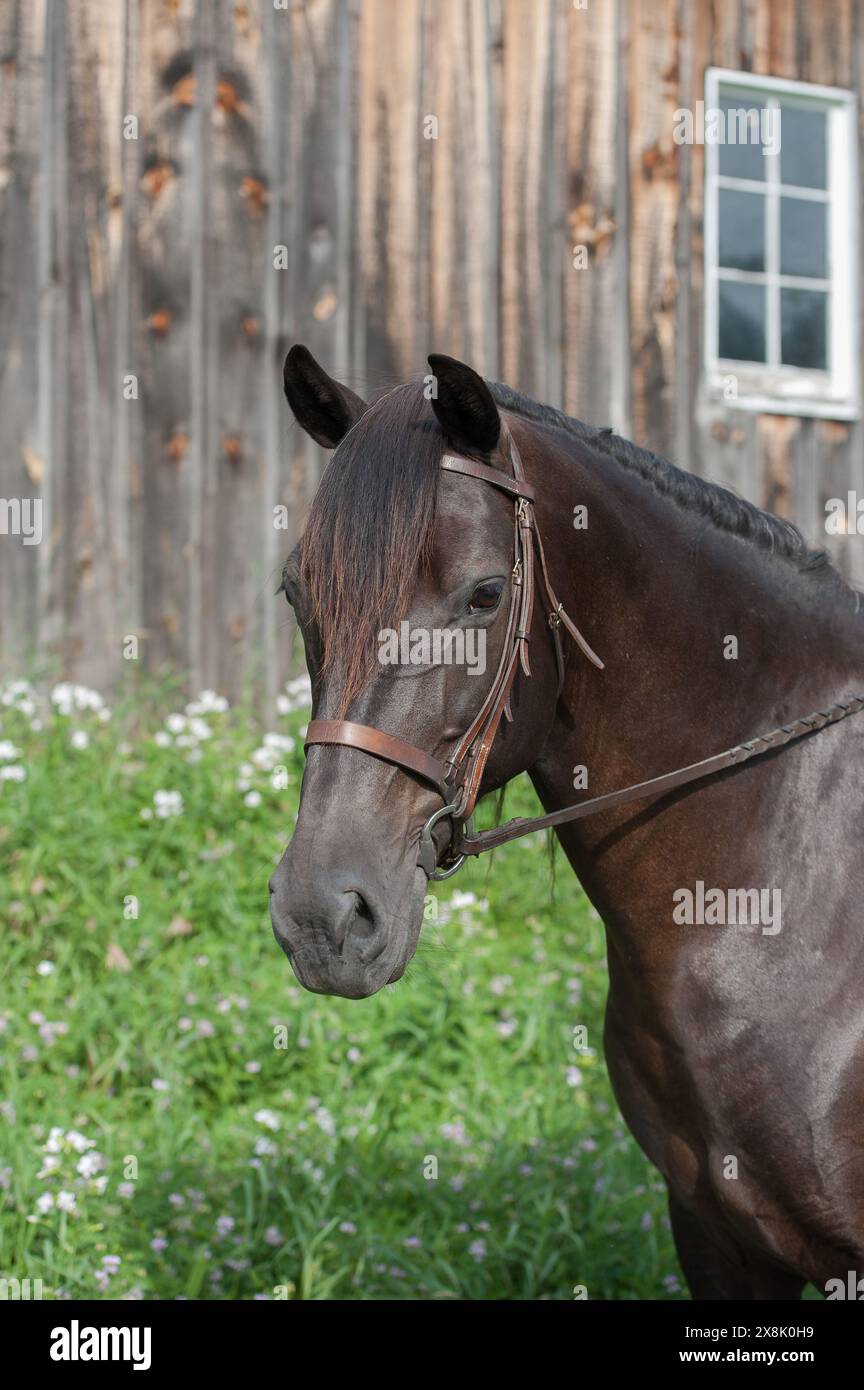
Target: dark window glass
column 803, row 240
column 742, row 229
column 742, row 159
column 742, row 321
column 804, row 328
column 803, row 147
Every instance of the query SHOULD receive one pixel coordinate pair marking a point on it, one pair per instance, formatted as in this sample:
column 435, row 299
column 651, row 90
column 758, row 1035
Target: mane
column 726, row 511
column 370, row 529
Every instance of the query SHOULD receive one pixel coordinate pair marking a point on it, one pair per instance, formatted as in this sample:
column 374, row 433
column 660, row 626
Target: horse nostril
column 356, row 925
column 363, row 925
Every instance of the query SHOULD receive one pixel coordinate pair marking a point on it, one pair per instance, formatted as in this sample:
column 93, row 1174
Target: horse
column 735, row 1049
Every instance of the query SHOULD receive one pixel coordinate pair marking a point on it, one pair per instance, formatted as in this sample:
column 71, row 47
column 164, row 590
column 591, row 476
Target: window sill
column 767, row 397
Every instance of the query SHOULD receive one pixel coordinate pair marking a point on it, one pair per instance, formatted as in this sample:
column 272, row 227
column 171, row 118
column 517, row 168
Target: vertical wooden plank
column 780, row 439
column 688, row 269
column 804, row 507
column 22, row 462
column 709, row 438
column 204, row 569
column 534, row 238
column 94, row 57
column 727, row 449
column 827, row 43
column 778, row 30
column 278, row 629
column 243, row 187
column 482, row 166
column 730, row 26
column 125, row 489
column 239, row 574
column 388, row 144
column 654, row 165
column 52, row 280
column 838, row 472
column 596, row 306
column 723, row 441
column 165, row 219
column 321, row 119
column 458, row 160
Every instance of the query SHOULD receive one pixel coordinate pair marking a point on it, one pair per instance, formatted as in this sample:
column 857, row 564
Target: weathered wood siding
column 305, row 127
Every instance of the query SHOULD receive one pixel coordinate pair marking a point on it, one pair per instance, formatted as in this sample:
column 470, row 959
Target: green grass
column 178, row 1027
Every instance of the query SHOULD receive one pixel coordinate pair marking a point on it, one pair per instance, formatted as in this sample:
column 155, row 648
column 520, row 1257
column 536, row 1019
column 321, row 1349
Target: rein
column 458, row 779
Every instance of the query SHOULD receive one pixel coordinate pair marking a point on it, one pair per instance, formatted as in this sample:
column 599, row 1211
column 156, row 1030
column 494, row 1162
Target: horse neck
column 663, row 594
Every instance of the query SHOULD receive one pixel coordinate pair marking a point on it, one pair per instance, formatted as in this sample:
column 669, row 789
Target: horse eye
column 486, row 596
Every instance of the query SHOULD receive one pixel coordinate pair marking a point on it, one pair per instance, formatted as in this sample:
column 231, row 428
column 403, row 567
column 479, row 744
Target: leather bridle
column 458, row 779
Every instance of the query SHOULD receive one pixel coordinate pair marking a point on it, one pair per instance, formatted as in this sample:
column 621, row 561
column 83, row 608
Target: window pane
column 803, row 147
column 742, row 321
column 803, row 243
column 742, row 229
column 736, row 155
column 803, row 328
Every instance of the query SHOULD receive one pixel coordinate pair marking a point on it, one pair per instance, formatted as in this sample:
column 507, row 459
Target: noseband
column 458, row 780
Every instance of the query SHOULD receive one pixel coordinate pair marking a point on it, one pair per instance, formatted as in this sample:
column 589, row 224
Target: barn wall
column 304, row 127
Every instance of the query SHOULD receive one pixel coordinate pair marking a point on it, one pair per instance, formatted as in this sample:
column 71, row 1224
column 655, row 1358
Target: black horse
column 736, row 1051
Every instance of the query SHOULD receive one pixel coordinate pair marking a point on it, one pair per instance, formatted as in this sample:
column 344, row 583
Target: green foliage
column 144, row 1076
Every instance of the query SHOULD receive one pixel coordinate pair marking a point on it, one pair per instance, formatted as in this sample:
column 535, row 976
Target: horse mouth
column 342, row 980
column 323, row 969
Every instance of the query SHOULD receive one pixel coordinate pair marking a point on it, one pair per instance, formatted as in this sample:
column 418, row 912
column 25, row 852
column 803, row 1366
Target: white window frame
column 778, row 389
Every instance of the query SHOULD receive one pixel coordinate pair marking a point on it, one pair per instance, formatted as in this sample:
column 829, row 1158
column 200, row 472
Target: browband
column 469, row 468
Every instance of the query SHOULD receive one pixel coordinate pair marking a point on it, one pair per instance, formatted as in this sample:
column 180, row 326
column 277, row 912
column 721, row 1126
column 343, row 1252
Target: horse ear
column 324, row 408
column 464, row 406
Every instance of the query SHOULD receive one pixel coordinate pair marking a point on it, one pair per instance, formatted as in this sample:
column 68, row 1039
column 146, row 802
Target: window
column 781, row 245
